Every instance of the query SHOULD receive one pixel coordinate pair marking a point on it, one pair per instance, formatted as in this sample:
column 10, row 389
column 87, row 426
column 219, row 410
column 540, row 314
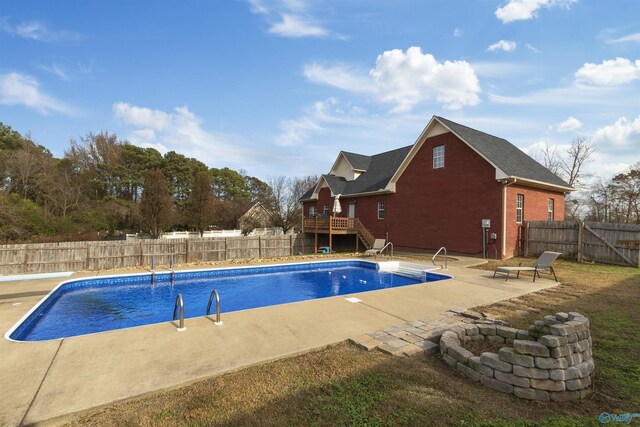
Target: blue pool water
column 101, row 304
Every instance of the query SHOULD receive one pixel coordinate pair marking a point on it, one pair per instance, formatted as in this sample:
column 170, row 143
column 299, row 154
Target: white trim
column 341, row 153
column 542, row 185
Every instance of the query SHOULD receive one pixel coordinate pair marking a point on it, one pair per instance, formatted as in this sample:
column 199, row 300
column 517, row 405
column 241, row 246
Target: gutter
column 504, row 213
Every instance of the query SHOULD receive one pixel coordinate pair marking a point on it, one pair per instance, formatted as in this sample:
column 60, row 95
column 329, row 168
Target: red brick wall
column 445, row 206
column 535, row 209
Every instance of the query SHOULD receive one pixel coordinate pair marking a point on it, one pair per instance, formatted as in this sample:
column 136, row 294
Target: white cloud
column 21, row 89
column 517, row 10
column 297, row 26
column 458, row 32
column 532, row 48
column 36, row 30
column 328, row 112
column 623, row 133
column 340, row 76
column 505, row 45
column 68, row 74
column 180, row 131
column 580, row 95
column 406, row 79
column 289, row 18
column 610, row 72
column 568, row 125
column 409, row 78
column 630, row 38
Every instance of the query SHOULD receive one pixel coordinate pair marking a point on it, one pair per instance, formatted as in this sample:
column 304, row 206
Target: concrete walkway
column 47, row 380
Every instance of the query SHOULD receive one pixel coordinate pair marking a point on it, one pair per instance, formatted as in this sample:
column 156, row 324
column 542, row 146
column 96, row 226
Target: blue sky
column 281, row 86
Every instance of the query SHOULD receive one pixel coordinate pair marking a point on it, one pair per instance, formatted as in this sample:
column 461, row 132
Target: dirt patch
column 479, row 347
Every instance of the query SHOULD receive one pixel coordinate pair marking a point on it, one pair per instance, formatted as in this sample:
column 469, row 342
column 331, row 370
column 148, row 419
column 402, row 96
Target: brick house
column 435, row 193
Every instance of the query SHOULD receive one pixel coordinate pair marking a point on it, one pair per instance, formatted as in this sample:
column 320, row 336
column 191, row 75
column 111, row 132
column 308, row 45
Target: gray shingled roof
column 380, row 168
column 506, row 156
column 379, row 171
column 358, row 161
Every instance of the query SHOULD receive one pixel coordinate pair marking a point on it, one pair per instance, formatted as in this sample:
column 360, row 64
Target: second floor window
column 325, row 209
column 312, row 212
column 381, row 209
column 520, row 208
column 551, row 209
column 438, row 157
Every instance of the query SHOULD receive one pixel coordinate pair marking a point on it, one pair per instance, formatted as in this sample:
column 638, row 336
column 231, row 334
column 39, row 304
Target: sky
column 281, row 86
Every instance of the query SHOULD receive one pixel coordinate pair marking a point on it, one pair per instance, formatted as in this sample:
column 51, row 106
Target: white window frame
column 381, row 209
column 519, row 208
column 313, row 211
column 325, row 210
column 438, row 156
column 551, row 209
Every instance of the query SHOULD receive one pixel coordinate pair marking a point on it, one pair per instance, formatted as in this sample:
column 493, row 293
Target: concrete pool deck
column 50, row 379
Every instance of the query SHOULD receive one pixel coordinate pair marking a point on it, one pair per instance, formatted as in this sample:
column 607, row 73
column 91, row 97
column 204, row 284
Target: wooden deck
column 338, row 225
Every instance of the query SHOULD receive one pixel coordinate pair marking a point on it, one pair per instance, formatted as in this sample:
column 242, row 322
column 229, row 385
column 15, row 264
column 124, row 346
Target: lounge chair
column 377, row 247
column 543, row 263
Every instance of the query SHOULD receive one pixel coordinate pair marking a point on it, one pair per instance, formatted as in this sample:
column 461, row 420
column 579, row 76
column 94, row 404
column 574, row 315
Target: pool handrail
column 433, row 260
column 214, row 294
column 385, row 247
column 179, row 303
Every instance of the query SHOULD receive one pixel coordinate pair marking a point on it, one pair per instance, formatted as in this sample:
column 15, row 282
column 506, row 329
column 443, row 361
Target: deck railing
column 340, row 223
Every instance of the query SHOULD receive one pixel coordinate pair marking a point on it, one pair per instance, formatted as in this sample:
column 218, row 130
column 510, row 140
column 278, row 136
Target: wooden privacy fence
column 584, row 241
column 74, row 256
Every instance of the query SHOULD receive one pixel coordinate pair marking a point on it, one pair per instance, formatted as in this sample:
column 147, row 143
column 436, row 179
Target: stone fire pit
column 550, row 361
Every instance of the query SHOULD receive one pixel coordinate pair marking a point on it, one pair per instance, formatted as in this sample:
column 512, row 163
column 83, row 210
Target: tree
column 285, row 199
column 180, row 171
column 156, row 206
column 617, row 200
column 569, row 166
column 199, row 209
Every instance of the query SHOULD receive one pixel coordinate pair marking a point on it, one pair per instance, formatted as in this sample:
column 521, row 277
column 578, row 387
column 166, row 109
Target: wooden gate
column 585, row 241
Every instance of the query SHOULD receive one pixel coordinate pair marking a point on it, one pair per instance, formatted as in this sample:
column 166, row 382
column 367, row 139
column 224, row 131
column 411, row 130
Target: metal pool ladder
column 215, row 295
column 179, row 303
column 433, row 260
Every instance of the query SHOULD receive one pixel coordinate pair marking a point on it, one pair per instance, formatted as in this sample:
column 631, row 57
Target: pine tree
column 156, row 205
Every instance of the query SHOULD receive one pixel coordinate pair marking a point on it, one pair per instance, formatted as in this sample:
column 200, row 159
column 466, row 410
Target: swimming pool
column 85, row 306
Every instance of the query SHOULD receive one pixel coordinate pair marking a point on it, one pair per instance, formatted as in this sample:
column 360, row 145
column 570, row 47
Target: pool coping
column 44, row 299
column 52, row 380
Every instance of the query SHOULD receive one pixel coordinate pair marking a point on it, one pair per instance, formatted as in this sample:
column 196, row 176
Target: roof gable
column 507, row 159
column 505, row 156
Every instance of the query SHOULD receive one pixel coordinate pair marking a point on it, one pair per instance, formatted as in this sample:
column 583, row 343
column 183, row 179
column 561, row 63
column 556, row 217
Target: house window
column 520, row 208
column 438, row 157
column 312, row 211
column 551, row 209
column 381, row 209
column 325, row 209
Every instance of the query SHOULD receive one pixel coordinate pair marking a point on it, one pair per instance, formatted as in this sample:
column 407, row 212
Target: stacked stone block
column 550, row 361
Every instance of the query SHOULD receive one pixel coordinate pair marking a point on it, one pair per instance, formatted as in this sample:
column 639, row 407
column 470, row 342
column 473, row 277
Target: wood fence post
column 580, row 241
column 526, row 239
column 87, row 260
column 291, row 243
column 259, row 247
column 141, row 254
column 186, row 253
column 226, row 256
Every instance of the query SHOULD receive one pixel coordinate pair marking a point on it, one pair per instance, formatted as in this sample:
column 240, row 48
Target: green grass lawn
column 343, row 385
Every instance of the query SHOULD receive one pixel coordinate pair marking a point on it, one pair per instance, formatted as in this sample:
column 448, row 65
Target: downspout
column 504, row 214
